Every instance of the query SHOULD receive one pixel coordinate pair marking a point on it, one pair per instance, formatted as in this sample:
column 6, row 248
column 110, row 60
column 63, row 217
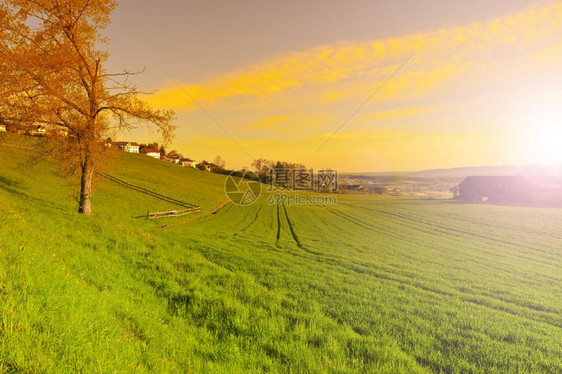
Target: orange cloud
column 460, row 87
column 439, row 55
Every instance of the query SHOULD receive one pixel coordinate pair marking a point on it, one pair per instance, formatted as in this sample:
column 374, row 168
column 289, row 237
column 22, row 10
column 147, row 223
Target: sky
column 467, row 83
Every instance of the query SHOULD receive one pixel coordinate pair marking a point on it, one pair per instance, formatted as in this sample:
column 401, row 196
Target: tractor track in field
column 479, row 223
column 335, row 242
column 366, row 226
column 450, row 229
column 506, row 306
column 405, row 239
column 451, row 232
column 289, row 223
column 291, row 228
column 251, row 223
column 278, row 226
column 541, row 315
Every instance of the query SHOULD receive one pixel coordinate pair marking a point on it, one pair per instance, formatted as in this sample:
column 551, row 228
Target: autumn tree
column 219, row 162
column 262, row 166
column 52, row 73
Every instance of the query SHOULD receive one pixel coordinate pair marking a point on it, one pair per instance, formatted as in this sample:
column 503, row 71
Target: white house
column 2, row 128
column 151, row 152
column 131, row 147
column 188, row 162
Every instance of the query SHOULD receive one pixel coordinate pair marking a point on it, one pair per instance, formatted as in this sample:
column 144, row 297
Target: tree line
column 263, row 166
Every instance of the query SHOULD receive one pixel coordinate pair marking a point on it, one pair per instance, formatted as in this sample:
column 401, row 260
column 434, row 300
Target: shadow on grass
column 13, row 187
column 10, row 367
column 9, row 185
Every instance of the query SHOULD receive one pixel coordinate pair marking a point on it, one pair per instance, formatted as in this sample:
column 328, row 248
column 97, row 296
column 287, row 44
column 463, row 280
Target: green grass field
column 372, row 284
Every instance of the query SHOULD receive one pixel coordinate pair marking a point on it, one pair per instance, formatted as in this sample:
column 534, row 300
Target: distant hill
column 464, row 172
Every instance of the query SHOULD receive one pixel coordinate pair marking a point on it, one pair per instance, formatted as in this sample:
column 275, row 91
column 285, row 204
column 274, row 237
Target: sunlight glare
column 545, row 135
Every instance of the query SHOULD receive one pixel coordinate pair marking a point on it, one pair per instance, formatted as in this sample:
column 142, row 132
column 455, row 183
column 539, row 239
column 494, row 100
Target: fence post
column 147, row 214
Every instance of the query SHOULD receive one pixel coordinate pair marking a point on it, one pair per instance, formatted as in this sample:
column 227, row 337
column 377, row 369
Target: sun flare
column 544, row 135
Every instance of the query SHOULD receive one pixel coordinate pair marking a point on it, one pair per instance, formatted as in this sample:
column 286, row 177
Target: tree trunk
column 86, row 187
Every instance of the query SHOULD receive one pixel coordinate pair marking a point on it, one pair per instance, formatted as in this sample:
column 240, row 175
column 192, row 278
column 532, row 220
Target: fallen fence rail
column 172, row 213
column 215, row 211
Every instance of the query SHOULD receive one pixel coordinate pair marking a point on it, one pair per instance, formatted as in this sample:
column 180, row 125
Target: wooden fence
column 171, row 213
column 215, row 211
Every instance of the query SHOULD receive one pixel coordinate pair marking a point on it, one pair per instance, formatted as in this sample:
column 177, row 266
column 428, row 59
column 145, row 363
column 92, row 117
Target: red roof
column 149, row 150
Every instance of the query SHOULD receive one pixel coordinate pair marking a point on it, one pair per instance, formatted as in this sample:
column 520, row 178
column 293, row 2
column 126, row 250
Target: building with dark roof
column 510, row 189
column 131, row 147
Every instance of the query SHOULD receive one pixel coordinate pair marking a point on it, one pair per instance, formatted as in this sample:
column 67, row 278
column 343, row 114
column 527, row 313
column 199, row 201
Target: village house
column 131, row 147
column 2, row 128
column 151, row 152
column 187, row 162
column 117, row 145
column 204, row 165
column 173, row 157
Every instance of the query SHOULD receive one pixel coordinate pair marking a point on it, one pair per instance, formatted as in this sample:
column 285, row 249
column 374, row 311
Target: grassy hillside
column 369, row 285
